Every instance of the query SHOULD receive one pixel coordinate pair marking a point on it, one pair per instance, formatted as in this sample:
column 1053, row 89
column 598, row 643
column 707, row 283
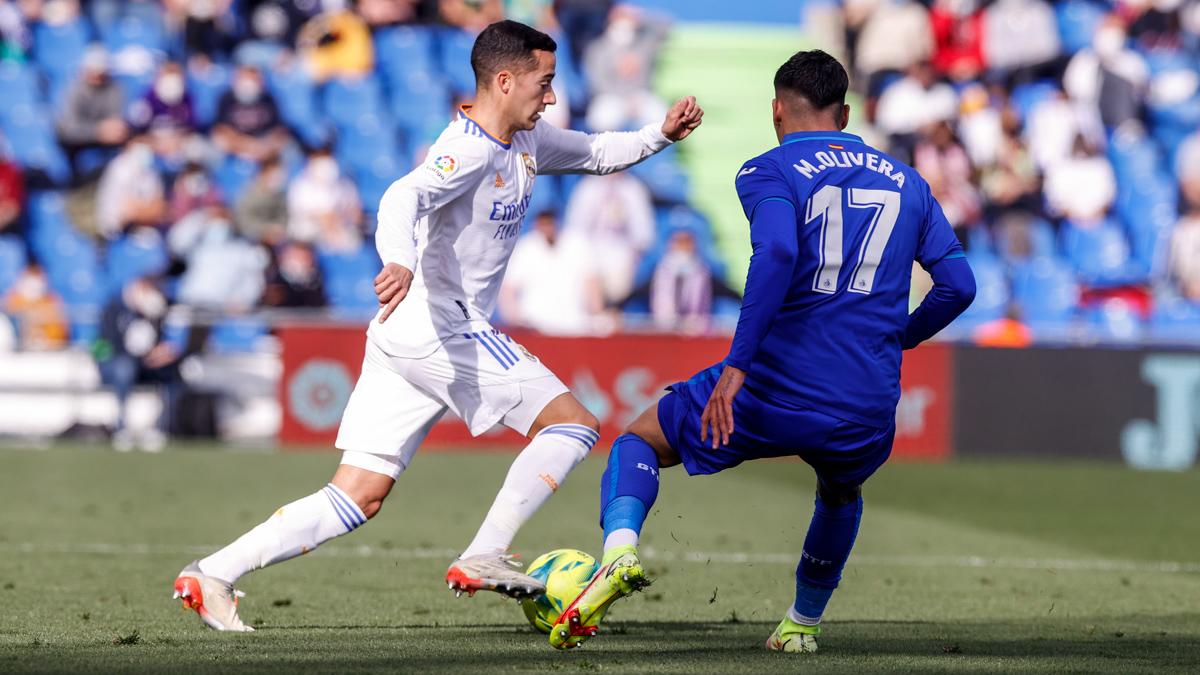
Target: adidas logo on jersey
column 499, row 180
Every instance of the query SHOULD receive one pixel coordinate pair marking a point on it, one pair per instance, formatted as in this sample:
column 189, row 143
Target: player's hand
column 682, row 119
column 718, row 413
column 391, row 286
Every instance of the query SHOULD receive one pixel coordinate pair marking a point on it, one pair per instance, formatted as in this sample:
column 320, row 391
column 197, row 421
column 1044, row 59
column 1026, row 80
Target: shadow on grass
column 1149, row 645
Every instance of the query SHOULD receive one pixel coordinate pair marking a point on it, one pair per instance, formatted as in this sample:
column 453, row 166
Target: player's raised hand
column 391, row 286
column 682, row 119
column 718, row 413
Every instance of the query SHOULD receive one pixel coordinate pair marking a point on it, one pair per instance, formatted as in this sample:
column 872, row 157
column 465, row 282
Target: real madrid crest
column 530, row 166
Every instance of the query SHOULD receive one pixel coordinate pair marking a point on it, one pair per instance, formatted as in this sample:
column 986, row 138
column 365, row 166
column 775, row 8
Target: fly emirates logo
column 509, row 216
column 848, row 160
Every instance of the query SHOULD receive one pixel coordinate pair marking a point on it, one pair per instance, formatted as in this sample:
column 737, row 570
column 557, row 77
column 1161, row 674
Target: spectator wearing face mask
column 1108, row 79
column 37, row 311
column 91, row 114
column 224, row 272
column 193, row 189
column 261, row 212
column 323, row 206
column 132, row 349
column 166, row 105
column 682, row 285
column 619, row 66
column 294, row 278
column 248, row 122
column 131, row 191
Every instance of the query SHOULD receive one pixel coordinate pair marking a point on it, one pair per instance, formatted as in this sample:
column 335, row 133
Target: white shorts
column 484, row 377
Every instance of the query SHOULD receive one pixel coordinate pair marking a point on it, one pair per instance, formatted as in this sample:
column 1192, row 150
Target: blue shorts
column 841, row 452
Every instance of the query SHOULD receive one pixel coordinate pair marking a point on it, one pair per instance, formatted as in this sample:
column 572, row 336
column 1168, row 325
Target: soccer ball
column 566, row 573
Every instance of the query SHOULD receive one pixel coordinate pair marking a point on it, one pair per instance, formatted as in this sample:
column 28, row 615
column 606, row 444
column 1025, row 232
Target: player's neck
column 489, row 116
column 808, row 125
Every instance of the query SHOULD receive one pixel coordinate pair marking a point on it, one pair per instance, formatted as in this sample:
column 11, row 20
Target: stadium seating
column 59, row 48
column 350, row 279
column 206, row 88
column 1046, row 291
column 12, row 261
column 139, row 253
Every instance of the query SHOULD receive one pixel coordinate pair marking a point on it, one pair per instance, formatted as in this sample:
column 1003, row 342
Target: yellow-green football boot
column 620, row 574
column 790, row 636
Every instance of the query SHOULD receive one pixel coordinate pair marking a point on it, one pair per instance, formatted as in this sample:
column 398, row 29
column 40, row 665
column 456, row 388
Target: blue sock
column 826, row 547
column 629, row 486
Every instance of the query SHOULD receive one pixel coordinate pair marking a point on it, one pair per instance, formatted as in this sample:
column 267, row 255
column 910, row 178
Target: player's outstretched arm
column 566, row 151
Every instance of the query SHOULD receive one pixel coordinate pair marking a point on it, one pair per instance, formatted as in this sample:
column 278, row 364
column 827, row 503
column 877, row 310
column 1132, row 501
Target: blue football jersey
column 862, row 218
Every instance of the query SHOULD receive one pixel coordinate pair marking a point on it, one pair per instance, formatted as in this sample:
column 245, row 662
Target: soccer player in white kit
column 446, row 231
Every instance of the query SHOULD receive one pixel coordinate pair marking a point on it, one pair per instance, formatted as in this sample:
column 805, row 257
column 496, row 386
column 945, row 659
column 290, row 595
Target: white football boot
column 214, row 600
column 492, row 572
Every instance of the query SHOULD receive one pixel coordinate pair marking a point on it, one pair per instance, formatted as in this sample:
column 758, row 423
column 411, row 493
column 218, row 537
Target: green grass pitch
column 981, row 567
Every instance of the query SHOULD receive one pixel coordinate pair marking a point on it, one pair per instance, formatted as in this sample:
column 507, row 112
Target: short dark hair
column 507, row 45
column 815, row 76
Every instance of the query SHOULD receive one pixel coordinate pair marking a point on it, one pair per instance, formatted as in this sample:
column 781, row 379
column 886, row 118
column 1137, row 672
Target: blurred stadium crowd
column 205, row 160
column 220, row 160
column 1061, row 140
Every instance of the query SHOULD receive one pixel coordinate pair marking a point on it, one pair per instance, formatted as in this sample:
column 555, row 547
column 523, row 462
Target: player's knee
column 368, row 498
column 587, row 419
column 838, row 495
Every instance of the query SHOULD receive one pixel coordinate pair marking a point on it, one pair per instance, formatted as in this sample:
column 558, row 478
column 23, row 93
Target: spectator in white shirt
column 614, row 215
column 551, row 285
column 1081, row 188
column 323, row 206
column 131, row 191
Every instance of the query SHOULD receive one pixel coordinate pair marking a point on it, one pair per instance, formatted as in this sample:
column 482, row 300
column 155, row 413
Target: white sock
column 535, row 474
column 621, row 537
column 802, row 620
column 293, row 530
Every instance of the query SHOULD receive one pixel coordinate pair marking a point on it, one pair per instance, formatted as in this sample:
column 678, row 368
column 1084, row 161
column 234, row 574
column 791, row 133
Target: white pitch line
column 695, row 557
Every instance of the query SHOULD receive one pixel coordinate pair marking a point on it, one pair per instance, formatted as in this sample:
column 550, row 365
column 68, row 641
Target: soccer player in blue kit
column 814, row 368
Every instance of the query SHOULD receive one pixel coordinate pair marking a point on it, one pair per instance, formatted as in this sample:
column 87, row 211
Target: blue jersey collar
column 820, row 136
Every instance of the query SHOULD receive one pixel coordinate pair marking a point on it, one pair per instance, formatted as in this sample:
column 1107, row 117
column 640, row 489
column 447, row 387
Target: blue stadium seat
column 135, row 30
column 1077, row 21
column 405, row 49
column 80, row 284
column 12, row 261
column 370, row 137
column 295, row 94
column 58, row 49
column 29, row 130
column 979, row 240
column 232, row 175
column 237, row 335
column 991, row 293
column 421, row 104
column 667, row 181
column 136, row 254
column 345, row 101
column 456, row 47
column 1046, row 290
column 206, row 87
column 1115, row 321
column 350, row 278
column 20, row 85
column 1026, row 97
column 1174, row 321
column 1099, row 254
column 374, row 179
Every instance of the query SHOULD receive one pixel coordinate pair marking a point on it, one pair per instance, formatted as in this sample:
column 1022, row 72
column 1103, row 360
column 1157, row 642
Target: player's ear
column 504, row 81
column 845, row 116
column 777, row 113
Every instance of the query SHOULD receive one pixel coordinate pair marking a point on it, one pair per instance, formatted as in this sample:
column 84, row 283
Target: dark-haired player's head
column 810, row 93
column 514, row 66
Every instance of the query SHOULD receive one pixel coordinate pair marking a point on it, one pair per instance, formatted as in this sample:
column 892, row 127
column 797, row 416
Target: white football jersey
column 455, row 219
